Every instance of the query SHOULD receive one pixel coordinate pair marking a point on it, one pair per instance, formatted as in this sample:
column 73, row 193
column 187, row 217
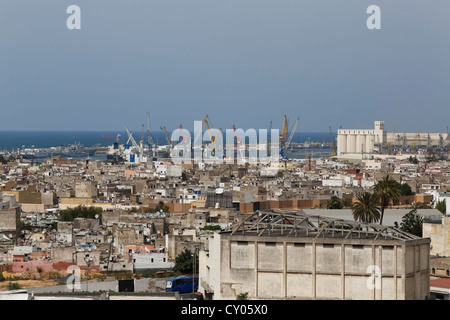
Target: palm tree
column 386, row 190
column 366, row 209
column 411, row 223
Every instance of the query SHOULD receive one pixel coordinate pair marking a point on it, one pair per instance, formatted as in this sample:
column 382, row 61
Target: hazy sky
column 242, row 62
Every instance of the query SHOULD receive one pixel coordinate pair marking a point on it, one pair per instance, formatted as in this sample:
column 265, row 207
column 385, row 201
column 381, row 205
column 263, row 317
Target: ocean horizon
column 43, row 139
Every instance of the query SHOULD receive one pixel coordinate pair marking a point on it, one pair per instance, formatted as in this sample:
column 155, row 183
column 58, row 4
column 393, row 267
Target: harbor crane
column 333, row 144
column 285, row 140
column 291, row 135
column 282, row 137
column 206, row 122
column 137, row 146
column 150, row 142
column 163, row 129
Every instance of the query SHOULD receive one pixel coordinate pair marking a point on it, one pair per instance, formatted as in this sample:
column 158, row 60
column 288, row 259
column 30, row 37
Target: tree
column 413, row 160
column 334, row 203
column 386, row 190
column 184, row 262
column 405, row 189
column 242, row 296
column 411, row 223
column 212, row 228
column 70, row 214
column 366, row 209
column 421, row 205
column 159, row 207
column 14, row 286
column 441, row 206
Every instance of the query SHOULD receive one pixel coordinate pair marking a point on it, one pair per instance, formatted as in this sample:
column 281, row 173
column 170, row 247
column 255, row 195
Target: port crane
column 282, row 137
column 137, row 148
column 333, row 144
column 206, row 122
column 150, row 142
column 117, row 137
column 163, row 129
column 291, row 135
column 285, row 140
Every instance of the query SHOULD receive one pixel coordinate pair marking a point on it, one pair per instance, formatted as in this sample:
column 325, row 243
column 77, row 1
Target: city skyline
column 236, row 61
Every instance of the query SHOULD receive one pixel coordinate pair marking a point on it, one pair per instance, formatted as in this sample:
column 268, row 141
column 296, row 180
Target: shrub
column 14, row 286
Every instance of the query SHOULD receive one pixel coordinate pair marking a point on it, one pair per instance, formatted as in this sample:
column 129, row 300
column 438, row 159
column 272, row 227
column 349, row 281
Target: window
column 299, row 245
column 242, row 243
column 270, row 244
column 358, row 246
column 328, row 245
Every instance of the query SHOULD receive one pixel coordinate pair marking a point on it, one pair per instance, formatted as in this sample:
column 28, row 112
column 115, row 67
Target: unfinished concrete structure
column 291, row 255
column 439, row 233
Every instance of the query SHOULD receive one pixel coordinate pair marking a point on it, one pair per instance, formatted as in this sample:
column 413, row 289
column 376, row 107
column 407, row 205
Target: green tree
column 421, row 205
column 441, row 206
column 212, row 227
column 413, row 160
column 14, row 286
column 366, row 209
column 184, row 262
column 70, row 214
column 411, row 223
column 159, row 207
column 405, row 189
column 242, row 296
column 334, row 203
column 386, row 191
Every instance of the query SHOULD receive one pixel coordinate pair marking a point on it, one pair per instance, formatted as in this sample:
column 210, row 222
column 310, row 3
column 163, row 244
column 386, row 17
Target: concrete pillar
column 342, row 144
column 369, row 143
column 360, row 141
column 351, row 143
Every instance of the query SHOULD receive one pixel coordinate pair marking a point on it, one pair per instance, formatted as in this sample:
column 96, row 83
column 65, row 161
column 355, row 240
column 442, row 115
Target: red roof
column 440, row 283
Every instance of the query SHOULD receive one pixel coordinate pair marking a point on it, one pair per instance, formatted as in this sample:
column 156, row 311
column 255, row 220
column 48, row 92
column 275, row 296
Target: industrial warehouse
column 291, row 255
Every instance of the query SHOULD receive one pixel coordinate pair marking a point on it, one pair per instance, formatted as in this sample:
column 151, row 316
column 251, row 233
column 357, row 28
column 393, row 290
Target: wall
column 151, row 261
column 18, row 267
column 439, row 235
column 62, row 254
column 321, row 268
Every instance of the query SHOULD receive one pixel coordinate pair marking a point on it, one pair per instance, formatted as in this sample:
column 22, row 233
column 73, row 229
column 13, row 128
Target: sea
column 13, row 140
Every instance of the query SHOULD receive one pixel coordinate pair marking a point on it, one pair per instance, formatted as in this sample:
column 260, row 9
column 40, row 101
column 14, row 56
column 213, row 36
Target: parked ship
column 70, row 151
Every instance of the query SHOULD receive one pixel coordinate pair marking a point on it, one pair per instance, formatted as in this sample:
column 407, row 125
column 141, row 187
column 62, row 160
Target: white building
column 350, row 141
column 442, row 196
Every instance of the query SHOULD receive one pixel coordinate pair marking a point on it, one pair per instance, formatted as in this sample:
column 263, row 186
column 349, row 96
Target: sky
column 241, row 62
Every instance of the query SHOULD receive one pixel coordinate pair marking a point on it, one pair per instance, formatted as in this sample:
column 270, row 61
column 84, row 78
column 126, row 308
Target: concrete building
column 296, row 256
column 9, row 219
column 359, row 141
column 439, row 233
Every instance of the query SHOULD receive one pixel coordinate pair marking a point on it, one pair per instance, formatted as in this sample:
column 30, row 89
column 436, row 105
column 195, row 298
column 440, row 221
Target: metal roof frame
column 298, row 223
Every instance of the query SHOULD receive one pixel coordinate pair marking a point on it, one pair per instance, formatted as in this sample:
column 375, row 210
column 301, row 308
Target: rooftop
column 299, row 224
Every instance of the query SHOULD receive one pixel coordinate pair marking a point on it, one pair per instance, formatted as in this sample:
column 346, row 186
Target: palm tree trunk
column 382, row 214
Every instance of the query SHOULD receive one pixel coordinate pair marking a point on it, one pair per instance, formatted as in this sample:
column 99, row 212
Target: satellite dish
column 96, row 216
